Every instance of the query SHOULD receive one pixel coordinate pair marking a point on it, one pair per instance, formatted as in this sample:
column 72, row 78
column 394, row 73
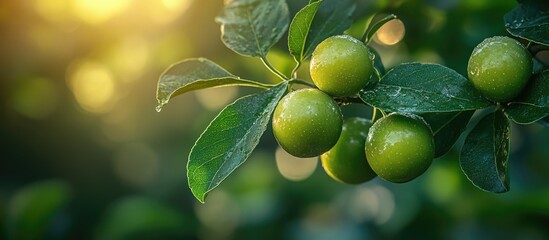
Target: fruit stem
column 374, row 115
column 273, row 69
column 383, row 113
column 347, row 100
column 294, row 71
column 302, row 82
column 377, row 74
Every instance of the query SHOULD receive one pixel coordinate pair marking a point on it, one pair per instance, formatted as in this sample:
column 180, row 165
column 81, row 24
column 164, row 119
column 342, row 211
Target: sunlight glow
column 294, row 168
column 391, row 33
column 166, row 11
column 53, row 10
column 216, row 98
column 220, row 215
column 129, row 58
column 99, row 11
column 93, row 85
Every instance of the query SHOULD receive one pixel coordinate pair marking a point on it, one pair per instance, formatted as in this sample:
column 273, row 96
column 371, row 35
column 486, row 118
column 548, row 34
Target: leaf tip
column 201, row 197
column 161, row 103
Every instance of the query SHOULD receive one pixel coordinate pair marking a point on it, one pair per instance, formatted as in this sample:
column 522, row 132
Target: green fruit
column 400, row 147
column 499, row 68
column 307, row 122
column 346, row 161
column 341, row 66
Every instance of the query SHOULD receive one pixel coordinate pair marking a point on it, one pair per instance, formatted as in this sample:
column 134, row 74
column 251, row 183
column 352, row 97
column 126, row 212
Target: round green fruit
column 307, row 123
column 341, row 66
column 400, row 147
column 346, row 161
column 499, row 68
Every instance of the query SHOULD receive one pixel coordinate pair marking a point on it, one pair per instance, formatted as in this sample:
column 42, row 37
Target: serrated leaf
column 533, row 103
column 447, row 128
column 299, row 30
column 229, row 140
column 529, row 21
column 252, row 27
column 420, row 88
column 333, row 17
column 195, row 74
column 485, row 153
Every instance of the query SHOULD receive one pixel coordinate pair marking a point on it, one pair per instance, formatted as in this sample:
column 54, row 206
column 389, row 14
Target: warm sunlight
column 92, row 84
column 99, row 11
column 294, row 168
column 391, row 33
column 166, row 11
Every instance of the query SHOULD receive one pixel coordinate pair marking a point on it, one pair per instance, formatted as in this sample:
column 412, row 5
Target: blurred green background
column 84, row 154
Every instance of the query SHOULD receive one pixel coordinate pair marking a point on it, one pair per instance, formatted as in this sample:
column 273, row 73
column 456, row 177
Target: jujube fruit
column 400, row 147
column 307, row 122
column 341, row 66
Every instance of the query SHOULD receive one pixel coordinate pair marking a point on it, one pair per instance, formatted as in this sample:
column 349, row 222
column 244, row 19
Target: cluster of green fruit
column 398, row 147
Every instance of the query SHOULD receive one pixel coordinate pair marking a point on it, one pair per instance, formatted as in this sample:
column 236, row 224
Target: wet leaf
column 229, row 140
column 485, row 153
column 533, row 103
column 195, row 74
column 332, row 17
column 447, row 128
column 252, row 27
column 299, row 30
column 529, row 20
column 420, row 88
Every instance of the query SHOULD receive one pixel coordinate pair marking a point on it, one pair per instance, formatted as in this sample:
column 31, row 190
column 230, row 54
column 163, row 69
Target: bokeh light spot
column 166, row 11
column 443, row 183
column 35, row 98
column 391, row 33
column 294, row 168
column 129, row 58
column 93, row 85
column 53, row 10
column 216, row 98
column 99, row 11
column 220, row 214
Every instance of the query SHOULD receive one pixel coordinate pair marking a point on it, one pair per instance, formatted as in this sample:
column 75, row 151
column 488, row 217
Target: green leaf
column 333, row 17
column 485, row 153
column 447, row 127
column 544, row 121
column 529, row 21
column 374, row 28
column 415, row 87
column 299, row 30
column 143, row 218
column 195, row 74
column 229, row 140
column 252, row 27
column 378, row 64
column 32, row 210
column 533, row 103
